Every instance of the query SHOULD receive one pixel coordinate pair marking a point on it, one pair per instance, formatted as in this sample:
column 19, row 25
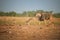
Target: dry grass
column 20, row 20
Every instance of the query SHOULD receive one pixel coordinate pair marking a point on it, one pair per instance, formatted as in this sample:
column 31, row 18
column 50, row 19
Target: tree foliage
column 27, row 13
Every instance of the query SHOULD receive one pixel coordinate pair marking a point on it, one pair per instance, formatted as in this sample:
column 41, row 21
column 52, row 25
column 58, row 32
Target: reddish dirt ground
column 30, row 32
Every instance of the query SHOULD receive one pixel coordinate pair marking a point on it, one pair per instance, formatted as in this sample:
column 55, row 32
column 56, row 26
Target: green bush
column 57, row 15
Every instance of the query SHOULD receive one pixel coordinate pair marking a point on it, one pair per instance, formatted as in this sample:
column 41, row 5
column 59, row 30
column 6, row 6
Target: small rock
column 40, row 28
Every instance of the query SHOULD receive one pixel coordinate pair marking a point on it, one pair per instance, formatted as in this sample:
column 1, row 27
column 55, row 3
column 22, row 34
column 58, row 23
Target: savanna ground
column 15, row 28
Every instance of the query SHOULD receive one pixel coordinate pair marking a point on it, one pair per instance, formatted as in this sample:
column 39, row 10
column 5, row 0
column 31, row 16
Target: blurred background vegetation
column 26, row 13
